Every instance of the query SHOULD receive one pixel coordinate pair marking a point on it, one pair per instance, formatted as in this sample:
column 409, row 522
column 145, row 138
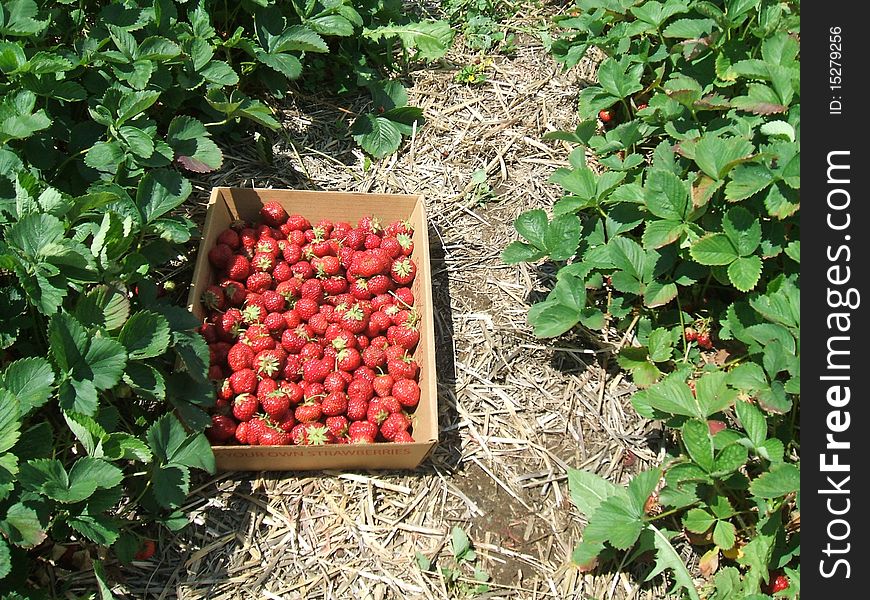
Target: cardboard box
column 228, row 204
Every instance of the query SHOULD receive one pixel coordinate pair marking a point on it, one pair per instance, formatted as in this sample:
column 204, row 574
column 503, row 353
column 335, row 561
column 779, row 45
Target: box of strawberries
column 317, row 310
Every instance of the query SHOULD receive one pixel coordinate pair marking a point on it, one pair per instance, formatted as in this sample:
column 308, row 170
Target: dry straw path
column 515, row 411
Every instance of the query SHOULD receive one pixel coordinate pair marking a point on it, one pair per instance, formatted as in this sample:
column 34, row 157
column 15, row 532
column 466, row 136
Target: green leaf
column 698, row 520
column 97, row 528
column 298, row 38
column 106, row 359
column 145, row 380
column 193, row 351
column 165, row 437
column 673, row 396
column 745, row 272
column 517, row 252
column 5, row 559
column 714, row 249
column 104, row 307
column 781, row 480
column 459, row 542
column 689, row 28
column 10, row 421
column 31, row 381
column 781, row 202
column 431, row 39
column 145, row 335
column 743, row 230
column 22, row 526
column 551, row 319
column 729, row 459
column 171, row 484
column 640, row 489
column 716, row 156
column 589, row 490
column 713, row 394
column 376, row 135
column 135, row 103
column 35, row 233
column 139, row 142
column 658, row 293
column 195, row 452
column 724, row 535
column 614, row 522
column 220, row 73
column 668, row 558
column 617, row 80
column 532, row 225
column 159, row 192
column 562, row 237
column 286, row 64
column 696, row 437
column 752, row 421
column 105, row 592
column 123, row 446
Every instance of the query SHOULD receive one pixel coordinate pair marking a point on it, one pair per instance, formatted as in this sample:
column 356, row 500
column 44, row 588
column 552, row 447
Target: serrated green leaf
column 431, row 39
column 145, row 380
column 714, row 249
column 752, row 421
column 745, row 272
column 22, row 526
column 717, row 156
column 145, row 335
column 194, row 452
column 219, row 73
column 743, row 230
column 532, row 225
column 729, row 459
column 551, row 319
column 614, row 522
column 376, row 135
column 517, row 252
column 193, row 351
column 668, row 558
column 5, row 559
column 781, row 480
column 104, row 306
column 724, row 535
column 171, row 484
column 123, row 446
column 696, row 437
column 159, row 192
column 698, row 520
column 30, row 380
column 562, row 237
column 589, row 490
column 100, row 529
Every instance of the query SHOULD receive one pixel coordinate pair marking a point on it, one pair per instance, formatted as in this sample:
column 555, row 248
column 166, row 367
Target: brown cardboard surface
column 229, row 204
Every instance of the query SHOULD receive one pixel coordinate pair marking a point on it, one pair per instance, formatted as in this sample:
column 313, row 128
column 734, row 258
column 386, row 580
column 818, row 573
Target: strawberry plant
column 688, row 242
column 104, row 108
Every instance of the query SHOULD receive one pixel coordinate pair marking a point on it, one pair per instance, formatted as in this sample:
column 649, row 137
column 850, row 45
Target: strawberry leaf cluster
column 687, row 241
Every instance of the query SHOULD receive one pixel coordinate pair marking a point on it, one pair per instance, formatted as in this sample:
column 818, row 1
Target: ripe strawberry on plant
column 393, row 424
column 221, row 430
column 245, row 406
column 779, row 584
column 213, row 298
column 244, row 381
column 605, row 115
column 146, row 551
column 407, row 392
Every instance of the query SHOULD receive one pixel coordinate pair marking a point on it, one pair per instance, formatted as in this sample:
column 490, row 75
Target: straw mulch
column 515, row 411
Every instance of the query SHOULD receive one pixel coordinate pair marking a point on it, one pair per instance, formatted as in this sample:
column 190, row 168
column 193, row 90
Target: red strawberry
column 292, row 368
column 335, row 285
column 348, row 359
column 366, row 264
column 370, row 224
column 244, row 381
column 365, row 373
column 215, row 372
column 287, row 423
column 316, row 370
column 405, row 336
column 261, row 343
column 393, row 424
column 317, row 435
column 407, row 392
column 273, row 214
column 265, row 387
column 403, row 271
column 779, row 584
column 334, row 404
column 337, row 425
column 354, row 239
column 297, row 223
column 258, row 282
column 220, row 255
column 209, row 332
column 383, row 385
column 360, row 289
column 292, row 319
column 146, row 551
column 402, row 368
column 377, row 413
column 312, row 289
column 382, row 301
column 242, row 432
column 309, row 412
column 364, row 429
column 256, row 427
column 276, row 403
column 230, row 324
column 372, row 241
column 399, row 227
column 292, row 253
column 312, row 350
column 282, row 271
column 240, row 357
column 313, row 391
column 293, row 340
column 405, row 297
column 374, row 357
column 275, row 322
column 218, row 352
column 355, row 319
column 254, row 312
column 268, row 245
column 238, row 268
column 303, row 269
column 245, row 406
column 407, row 243
column 234, row 292
column 225, row 390
column 334, row 382
column 222, row 429
column 272, row 436
column 269, row 363
column 403, row 437
column 307, row 308
column 379, row 284
column 318, row 323
column 230, row 238
column 392, row 246
column 273, row 301
column 357, row 409
column 263, row 262
column 213, row 298
column 248, row 237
